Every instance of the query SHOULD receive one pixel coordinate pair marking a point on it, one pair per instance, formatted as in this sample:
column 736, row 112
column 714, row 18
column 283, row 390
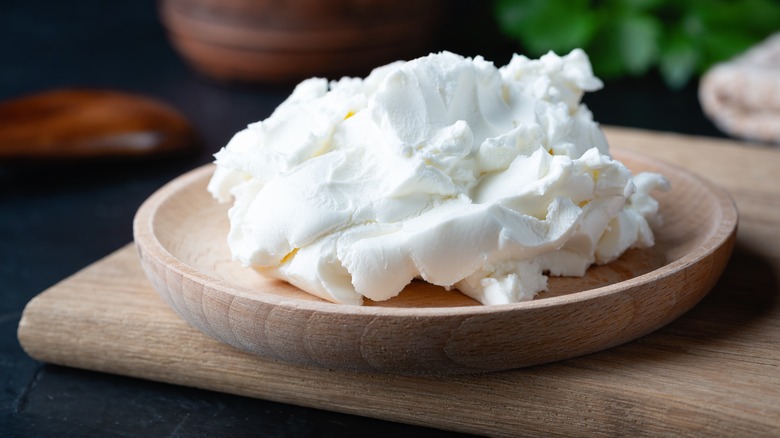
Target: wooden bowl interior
column 193, row 227
column 181, row 236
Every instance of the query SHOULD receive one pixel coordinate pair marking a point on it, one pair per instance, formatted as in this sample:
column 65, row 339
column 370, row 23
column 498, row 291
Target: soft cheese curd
column 444, row 168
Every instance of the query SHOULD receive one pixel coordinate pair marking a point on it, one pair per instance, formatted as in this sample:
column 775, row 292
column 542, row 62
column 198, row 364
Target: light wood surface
column 181, row 235
column 712, row 372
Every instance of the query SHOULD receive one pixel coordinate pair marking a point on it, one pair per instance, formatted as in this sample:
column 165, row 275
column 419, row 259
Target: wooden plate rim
column 148, row 243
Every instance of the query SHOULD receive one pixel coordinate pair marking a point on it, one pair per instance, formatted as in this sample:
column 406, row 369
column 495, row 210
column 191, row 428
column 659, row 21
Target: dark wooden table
column 57, row 220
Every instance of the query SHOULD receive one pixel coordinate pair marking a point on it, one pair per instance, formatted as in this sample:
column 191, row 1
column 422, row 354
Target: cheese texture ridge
column 444, row 168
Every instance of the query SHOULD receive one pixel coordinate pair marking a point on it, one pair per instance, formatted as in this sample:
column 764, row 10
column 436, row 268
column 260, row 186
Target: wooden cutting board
column 716, row 370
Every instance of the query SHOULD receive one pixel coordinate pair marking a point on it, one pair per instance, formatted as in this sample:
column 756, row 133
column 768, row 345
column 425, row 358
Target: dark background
column 57, row 220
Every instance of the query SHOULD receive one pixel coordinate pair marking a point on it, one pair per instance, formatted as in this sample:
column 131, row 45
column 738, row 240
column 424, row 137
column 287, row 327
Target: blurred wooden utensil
column 86, row 123
column 284, row 42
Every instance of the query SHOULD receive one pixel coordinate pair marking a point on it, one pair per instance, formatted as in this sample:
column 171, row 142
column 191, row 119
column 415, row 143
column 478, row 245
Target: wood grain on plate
column 712, row 372
column 181, row 236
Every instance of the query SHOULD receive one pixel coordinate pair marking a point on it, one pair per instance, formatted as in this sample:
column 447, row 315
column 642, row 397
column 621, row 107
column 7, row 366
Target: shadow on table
column 726, row 319
column 39, row 177
column 746, row 293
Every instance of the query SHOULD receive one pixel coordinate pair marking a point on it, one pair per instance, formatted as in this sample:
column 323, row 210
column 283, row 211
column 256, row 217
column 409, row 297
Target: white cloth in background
column 742, row 96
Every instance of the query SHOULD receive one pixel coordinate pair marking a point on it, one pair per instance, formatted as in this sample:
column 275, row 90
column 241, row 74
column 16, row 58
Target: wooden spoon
column 84, row 123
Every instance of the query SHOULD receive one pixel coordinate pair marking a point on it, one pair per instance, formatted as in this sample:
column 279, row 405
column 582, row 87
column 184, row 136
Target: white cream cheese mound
column 444, row 168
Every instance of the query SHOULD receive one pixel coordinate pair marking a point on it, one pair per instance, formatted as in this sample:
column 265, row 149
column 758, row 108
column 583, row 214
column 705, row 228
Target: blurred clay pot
column 284, row 41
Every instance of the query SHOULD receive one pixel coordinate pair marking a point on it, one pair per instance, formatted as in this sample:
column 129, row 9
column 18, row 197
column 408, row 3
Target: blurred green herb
column 681, row 38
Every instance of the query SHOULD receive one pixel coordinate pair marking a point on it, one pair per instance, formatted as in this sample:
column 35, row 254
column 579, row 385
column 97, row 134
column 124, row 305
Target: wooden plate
column 180, row 232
